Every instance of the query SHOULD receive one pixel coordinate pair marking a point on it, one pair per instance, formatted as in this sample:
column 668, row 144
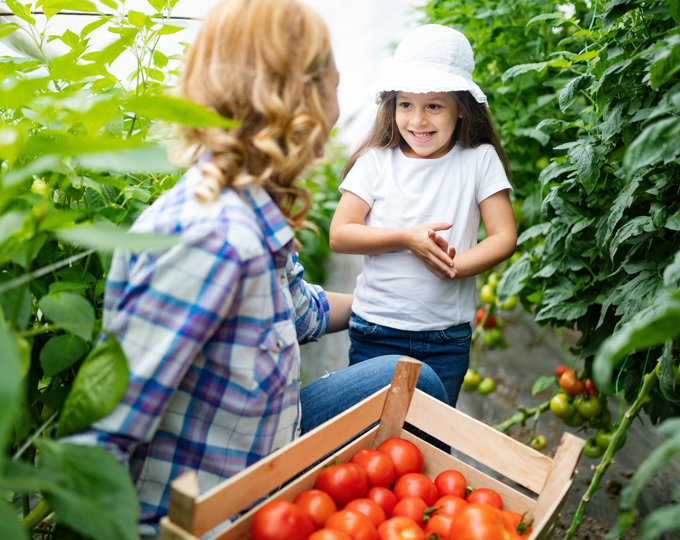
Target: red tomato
column 441, row 524
column 378, row 466
column 482, row 522
column 400, row 528
column 343, row 482
column 357, row 525
column 405, row 455
column 416, row 484
column 479, row 317
column 384, row 497
column 560, row 369
column 318, row 504
column 449, row 504
column 485, row 495
column 371, row 509
column 281, row 520
column 590, row 388
column 451, row 482
column 518, row 522
column 329, row 534
column 411, row 507
column 571, row 384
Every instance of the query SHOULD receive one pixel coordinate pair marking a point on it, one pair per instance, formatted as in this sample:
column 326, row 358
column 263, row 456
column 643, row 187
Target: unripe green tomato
column 604, row 436
column 40, row 187
column 471, row 379
column 542, row 163
column 592, row 450
column 601, row 420
column 574, row 421
column 539, row 442
column 561, row 407
column 588, row 406
column 486, row 386
column 493, row 280
column 487, row 294
column 24, row 348
column 509, row 304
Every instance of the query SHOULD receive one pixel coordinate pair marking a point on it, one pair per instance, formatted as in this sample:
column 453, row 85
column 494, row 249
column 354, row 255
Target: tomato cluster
column 474, row 381
column 578, row 403
column 382, row 494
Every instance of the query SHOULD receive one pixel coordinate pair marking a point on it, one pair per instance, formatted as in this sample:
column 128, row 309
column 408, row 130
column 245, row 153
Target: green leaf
column 571, row 91
column 511, row 282
column 175, row 109
column 660, row 521
column 137, row 18
column 158, row 5
column 10, row 384
column 634, row 227
column 650, row 327
column 98, row 387
column 21, row 11
column 144, row 159
column 584, row 157
column 61, row 352
column 543, row 383
column 555, row 16
column 10, row 526
column 7, row 28
column 106, row 237
column 70, row 311
column 91, row 493
column 667, row 63
column 671, row 275
column 524, row 68
column 657, row 142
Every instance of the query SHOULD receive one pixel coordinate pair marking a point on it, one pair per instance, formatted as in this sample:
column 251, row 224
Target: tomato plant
column 318, row 504
column 451, row 482
column 343, row 482
column 486, row 496
column 405, row 455
column 357, row 525
column 281, row 520
column 378, row 466
column 416, row 485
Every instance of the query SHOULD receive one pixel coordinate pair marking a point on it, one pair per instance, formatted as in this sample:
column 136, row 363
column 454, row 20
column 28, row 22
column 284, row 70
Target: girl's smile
column 426, row 123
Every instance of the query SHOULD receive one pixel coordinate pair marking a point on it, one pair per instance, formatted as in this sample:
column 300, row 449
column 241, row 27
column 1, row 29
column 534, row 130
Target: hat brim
column 422, row 81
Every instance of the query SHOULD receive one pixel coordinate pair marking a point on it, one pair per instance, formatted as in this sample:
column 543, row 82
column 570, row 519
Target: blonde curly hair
column 262, row 63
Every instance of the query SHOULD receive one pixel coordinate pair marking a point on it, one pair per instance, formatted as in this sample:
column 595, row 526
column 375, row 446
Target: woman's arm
column 500, row 241
column 348, row 234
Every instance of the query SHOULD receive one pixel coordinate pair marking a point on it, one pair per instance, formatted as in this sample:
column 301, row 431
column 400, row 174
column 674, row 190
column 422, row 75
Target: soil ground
column 532, row 352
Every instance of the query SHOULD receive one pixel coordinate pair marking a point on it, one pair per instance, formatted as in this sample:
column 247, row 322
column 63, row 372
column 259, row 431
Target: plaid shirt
column 210, row 329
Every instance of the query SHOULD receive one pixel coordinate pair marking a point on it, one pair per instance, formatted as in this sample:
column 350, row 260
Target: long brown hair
column 262, row 63
column 476, row 126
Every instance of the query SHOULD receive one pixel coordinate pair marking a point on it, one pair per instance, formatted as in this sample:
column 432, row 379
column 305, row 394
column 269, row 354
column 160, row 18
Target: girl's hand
column 424, row 242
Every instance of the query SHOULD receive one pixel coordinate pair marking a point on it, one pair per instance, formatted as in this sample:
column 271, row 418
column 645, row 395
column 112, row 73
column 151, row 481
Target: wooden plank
column 241, row 526
column 248, row 486
column 398, row 399
column 481, row 442
column 559, row 479
column 182, row 507
column 171, row 531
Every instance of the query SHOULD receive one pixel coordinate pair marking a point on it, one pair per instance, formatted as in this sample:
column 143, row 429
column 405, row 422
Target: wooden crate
column 528, row 481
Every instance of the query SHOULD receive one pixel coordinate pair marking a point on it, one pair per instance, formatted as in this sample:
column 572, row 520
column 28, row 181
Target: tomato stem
column 522, row 416
column 648, row 382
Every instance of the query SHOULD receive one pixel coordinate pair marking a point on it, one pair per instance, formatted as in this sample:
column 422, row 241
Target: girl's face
column 426, row 123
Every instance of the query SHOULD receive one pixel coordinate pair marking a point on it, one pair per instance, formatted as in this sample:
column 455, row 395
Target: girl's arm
column 340, row 306
column 348, row 234
column 500, row 241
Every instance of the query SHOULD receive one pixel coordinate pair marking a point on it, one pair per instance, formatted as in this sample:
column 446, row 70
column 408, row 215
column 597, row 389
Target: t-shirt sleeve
column 491, row 177
column 361, row 178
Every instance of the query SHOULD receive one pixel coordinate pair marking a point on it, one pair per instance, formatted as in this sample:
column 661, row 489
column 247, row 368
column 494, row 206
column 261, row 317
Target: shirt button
column 282, row 279
column 279, row 344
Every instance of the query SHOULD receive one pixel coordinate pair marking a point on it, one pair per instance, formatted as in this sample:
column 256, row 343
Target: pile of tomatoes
column 382, row 494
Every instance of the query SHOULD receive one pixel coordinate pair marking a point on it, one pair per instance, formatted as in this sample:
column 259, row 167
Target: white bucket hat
column 430, row 58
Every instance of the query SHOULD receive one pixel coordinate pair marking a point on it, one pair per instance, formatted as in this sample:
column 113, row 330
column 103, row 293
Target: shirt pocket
column 278, row 363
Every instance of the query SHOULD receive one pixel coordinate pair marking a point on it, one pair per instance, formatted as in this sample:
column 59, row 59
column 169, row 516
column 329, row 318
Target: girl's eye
column 434, row 106
column 404, row 105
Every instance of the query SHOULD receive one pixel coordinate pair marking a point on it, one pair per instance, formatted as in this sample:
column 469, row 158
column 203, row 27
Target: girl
column 412, row 197
column 211, row 326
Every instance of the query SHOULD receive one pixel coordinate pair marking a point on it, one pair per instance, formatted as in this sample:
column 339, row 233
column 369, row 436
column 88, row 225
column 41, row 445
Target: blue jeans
column 446, row 351
column 334, row 393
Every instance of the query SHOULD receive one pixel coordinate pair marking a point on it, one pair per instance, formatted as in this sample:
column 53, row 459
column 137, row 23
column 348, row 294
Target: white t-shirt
column 396, row 289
